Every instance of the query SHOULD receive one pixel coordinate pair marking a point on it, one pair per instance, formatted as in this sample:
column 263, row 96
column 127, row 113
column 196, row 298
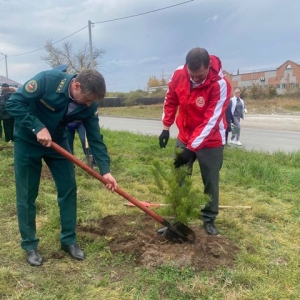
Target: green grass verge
column 267, row 267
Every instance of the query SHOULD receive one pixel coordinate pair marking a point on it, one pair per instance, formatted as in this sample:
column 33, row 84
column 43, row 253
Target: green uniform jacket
column 43, row 102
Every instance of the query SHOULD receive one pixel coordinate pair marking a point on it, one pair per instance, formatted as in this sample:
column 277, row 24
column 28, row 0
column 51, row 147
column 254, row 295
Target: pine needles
column 184, row 200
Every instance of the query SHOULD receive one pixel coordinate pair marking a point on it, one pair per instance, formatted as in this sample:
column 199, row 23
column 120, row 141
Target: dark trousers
column 237, row 128
column 81, row 133
column 8, row 126
column 71, row 135
column 28, row 164
column 210, row 161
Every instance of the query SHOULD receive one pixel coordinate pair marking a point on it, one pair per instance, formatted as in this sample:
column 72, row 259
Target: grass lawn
column 266, row 265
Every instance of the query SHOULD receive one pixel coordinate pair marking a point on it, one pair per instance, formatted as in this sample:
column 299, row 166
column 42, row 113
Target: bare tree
column 76, row 61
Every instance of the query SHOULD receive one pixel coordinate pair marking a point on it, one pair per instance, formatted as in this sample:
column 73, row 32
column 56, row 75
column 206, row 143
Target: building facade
column 153, row 89
column 286, row 78
column 10, row 82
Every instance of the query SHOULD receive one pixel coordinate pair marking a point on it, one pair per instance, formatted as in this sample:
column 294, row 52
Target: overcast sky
column 247, row 35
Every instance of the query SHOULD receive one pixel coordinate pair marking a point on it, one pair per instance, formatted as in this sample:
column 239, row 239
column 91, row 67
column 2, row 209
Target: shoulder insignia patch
column 31, row 86
column 60, row 86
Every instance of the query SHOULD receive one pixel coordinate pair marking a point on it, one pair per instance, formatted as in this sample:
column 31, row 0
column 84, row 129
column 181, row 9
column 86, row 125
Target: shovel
column 88, row 156
column 177, row 232
column 147, row 204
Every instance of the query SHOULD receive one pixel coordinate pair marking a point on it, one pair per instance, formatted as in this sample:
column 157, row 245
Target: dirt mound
column 137, row 236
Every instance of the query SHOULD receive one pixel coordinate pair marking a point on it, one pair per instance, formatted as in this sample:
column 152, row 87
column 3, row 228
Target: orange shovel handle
column 95, row 174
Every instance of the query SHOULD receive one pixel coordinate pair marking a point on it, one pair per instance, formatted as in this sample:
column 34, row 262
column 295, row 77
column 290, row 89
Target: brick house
column 286, row 78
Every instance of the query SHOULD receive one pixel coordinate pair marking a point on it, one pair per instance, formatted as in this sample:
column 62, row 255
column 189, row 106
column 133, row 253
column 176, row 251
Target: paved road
column 268, row 133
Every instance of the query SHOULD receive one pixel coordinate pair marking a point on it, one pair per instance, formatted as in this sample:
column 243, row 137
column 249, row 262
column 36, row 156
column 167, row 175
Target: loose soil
column 137, row 236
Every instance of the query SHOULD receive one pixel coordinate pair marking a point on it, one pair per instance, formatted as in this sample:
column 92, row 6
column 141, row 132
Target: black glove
column 184, row 157
column 163, row 138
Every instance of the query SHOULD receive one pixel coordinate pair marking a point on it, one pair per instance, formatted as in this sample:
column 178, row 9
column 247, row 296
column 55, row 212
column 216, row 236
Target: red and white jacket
column 201, row 116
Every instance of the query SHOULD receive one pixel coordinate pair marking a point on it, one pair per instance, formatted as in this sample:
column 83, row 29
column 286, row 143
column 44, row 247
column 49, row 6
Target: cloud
column 119, row 63
column 244, row 34
column 213, row 18
column 148, row 60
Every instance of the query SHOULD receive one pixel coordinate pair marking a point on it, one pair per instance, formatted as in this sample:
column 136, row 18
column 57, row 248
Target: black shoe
column 210, row 227
column 34, row 258
column 74, row 251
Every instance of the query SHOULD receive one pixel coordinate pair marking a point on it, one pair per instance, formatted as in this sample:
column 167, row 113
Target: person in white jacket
column 237, row 109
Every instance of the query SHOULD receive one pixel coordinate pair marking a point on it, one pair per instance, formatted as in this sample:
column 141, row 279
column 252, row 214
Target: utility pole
column 5, row 64
column 91, row 45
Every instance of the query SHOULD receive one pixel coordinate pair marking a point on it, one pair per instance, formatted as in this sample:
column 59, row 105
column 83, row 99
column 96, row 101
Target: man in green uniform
column 42, row 108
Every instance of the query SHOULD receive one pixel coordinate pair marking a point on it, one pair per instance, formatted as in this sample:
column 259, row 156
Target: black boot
column 210, row 227
column 34, row 258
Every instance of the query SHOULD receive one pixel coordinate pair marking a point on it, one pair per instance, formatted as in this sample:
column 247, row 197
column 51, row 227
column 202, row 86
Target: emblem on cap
column 200, row 101
column 31, row 86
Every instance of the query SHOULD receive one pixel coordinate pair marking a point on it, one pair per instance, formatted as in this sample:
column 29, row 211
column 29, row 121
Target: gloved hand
column 163, row 138
column 183, row 158
column 245, row 111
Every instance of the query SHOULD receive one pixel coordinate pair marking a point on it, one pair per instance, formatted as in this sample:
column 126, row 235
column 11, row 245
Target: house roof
column 266, row 70
column 8, row 81
column 287, row 63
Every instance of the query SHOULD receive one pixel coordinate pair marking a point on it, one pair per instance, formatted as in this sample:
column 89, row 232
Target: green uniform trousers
column 28, row 164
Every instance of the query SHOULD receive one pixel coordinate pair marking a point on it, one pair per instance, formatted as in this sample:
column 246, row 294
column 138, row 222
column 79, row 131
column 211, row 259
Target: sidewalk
column 280, row 122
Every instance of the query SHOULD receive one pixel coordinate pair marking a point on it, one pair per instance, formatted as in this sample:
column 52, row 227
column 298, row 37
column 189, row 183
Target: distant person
column 237, row 110
column 228, row 115
column 8, row 120
column 42, row 108
column 201, row 93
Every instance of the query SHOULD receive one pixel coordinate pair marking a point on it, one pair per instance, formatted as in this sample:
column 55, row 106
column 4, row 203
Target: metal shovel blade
column 89, row 160
column 177, row 232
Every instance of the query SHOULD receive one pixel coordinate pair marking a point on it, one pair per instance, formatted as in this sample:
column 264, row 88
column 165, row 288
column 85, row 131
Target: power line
column 148, row 12
column 52, row 43
column 106, row 21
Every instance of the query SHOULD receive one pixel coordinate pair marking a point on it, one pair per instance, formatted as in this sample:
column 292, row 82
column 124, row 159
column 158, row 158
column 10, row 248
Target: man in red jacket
column 201, row 92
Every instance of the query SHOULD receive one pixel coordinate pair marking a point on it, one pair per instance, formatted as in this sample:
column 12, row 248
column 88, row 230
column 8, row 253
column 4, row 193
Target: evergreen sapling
column 176, row 185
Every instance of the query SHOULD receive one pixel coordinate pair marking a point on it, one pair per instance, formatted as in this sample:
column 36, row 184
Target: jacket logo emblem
column 31, row 86
column 61, row 84
column 200, row 101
